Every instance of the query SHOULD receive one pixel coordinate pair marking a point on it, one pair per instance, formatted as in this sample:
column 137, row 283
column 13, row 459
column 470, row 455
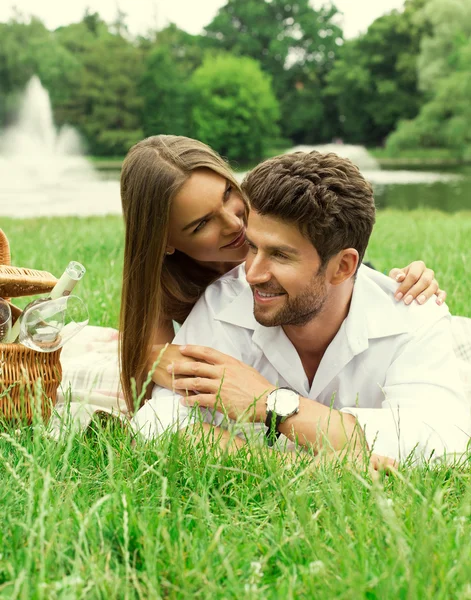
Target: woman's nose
column 232, row 221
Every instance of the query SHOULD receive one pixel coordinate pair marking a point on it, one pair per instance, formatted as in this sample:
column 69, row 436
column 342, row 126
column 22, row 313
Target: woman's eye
column 228, row 191
column 200, row 226
column 279, row 255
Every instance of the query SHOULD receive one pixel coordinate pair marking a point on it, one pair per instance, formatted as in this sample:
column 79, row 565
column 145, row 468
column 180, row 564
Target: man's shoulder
column 226, row 288
column 385, row 315
column 229, row 299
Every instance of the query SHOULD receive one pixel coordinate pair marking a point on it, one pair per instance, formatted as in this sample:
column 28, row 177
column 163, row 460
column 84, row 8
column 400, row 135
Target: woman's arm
column 159, row 359
column 417, row 283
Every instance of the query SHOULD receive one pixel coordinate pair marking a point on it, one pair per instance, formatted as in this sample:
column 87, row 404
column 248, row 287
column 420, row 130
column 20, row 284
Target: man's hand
column 375, row 464
column 221, row 381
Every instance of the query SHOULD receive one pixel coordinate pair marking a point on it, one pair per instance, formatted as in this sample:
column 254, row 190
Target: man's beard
column 296, row 311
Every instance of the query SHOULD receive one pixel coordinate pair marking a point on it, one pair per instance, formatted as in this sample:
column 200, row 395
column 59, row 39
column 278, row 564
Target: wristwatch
column 282, row 403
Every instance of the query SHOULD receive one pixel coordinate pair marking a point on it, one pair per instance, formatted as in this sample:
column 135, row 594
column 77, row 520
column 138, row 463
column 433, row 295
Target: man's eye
column 252, row 248
column 200, row 226
column 279, row 255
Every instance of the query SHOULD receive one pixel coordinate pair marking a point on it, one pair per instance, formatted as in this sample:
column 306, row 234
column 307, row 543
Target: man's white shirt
column 390, row 365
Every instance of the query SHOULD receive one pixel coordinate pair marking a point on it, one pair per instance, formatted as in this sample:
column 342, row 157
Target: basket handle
column 5, row 256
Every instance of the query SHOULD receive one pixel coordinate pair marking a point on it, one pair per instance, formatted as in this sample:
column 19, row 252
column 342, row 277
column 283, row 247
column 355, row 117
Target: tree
column 28, row 49
column 445, row 73
column 105, row 105
column 235, row 110
column 296, row 44
column 164, row 86
column 374, row 82
column 450, row 28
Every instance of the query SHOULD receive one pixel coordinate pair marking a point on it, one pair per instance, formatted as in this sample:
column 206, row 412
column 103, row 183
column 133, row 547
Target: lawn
column 98, row 517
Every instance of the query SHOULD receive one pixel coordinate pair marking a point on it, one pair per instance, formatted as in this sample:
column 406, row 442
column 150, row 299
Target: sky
column 191, row 15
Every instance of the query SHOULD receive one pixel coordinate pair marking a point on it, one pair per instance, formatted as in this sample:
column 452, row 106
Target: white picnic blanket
column 91, row 374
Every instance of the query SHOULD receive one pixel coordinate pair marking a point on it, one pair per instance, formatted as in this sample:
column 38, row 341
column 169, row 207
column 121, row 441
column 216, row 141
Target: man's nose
column 256, row 270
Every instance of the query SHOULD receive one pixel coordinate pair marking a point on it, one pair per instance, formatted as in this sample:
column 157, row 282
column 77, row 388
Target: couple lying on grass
column 301, row 343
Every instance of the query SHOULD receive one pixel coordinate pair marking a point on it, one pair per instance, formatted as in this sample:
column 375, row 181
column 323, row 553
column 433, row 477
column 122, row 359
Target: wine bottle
column 73, row 273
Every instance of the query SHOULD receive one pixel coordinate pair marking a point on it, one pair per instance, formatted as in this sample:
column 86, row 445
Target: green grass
column 95, row 516
column 442, row 240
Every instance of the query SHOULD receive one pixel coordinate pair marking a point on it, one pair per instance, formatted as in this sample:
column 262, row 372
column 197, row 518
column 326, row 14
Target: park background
column 98, row 517
column 260, row 75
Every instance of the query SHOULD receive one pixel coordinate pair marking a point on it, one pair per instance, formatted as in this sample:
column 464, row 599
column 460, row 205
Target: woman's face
column 207, row 219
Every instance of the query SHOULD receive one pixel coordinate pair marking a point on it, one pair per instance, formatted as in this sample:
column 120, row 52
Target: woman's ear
column 345, row 266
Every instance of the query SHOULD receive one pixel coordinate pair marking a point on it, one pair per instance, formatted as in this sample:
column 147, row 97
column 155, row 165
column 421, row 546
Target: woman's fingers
column 422, row 291
column 413, row 273
column 441, row 296
column 201, row 385
column 397, row 274
column 418, row 283
column 209, row 355
column 194, row 369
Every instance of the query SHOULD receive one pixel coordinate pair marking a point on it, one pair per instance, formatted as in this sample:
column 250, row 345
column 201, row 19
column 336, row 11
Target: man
column 305, row 316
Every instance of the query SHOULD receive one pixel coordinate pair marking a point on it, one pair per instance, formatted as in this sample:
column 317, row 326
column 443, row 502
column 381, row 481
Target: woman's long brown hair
column 157, row 287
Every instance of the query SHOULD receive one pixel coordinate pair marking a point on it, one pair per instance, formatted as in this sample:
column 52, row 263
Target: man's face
column 283, row 270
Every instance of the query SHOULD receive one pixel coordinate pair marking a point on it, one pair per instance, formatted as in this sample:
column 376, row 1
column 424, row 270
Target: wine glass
column 5, row 320
column 46, row 325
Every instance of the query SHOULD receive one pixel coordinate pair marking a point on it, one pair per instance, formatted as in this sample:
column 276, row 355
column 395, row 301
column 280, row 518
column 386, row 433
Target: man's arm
column 221, row 381
column 424, row 412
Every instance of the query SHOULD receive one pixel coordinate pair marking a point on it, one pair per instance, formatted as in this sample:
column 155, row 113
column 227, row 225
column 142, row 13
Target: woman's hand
column 171, row 354
column 417, row 283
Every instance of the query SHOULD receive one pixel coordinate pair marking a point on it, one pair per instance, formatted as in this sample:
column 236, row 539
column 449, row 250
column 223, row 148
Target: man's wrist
column 261, row 407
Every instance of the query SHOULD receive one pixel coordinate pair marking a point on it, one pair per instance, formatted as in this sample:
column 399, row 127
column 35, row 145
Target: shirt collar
column 370, row 315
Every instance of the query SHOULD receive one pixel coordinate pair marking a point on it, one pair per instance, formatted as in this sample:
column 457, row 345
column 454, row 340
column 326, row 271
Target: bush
column 235, row 110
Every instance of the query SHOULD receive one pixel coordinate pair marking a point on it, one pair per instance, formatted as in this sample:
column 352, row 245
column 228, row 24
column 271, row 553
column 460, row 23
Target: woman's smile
column 237, row 242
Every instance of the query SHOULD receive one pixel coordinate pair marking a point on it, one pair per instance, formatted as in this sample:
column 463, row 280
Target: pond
column 450, row 194
column 98, row 192
column 43, row 173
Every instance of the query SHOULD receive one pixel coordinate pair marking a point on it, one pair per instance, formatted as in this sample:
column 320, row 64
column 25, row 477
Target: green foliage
column 296, row 44
column 374, row 81
column 103, row 104
column 411, row 67
column 27, row 49
column 164, row 86
column 235, row 110
column 445, row 72
column 450, row 29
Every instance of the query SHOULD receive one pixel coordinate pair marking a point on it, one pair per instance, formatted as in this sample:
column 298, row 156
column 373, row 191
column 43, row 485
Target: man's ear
column 344, row 266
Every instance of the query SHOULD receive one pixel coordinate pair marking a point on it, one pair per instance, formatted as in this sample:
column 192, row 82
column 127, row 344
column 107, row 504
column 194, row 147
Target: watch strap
column 272, row 423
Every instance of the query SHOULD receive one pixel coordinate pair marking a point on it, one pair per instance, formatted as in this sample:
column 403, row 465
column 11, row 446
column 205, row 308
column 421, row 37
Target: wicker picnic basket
column 21, row 368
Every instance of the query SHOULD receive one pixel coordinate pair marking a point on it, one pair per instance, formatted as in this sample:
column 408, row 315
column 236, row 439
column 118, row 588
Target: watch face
column 283, row 402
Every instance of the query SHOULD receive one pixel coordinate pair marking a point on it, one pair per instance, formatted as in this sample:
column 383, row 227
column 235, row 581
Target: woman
column 185, row 217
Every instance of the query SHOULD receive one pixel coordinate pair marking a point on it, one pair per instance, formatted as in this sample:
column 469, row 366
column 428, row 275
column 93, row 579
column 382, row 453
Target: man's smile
column 265, row 297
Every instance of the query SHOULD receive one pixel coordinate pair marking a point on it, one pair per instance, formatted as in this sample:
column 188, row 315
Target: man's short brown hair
column 324, row 195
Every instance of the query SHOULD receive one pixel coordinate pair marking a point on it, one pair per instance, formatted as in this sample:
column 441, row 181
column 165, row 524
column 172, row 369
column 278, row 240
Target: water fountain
column 43, row 170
